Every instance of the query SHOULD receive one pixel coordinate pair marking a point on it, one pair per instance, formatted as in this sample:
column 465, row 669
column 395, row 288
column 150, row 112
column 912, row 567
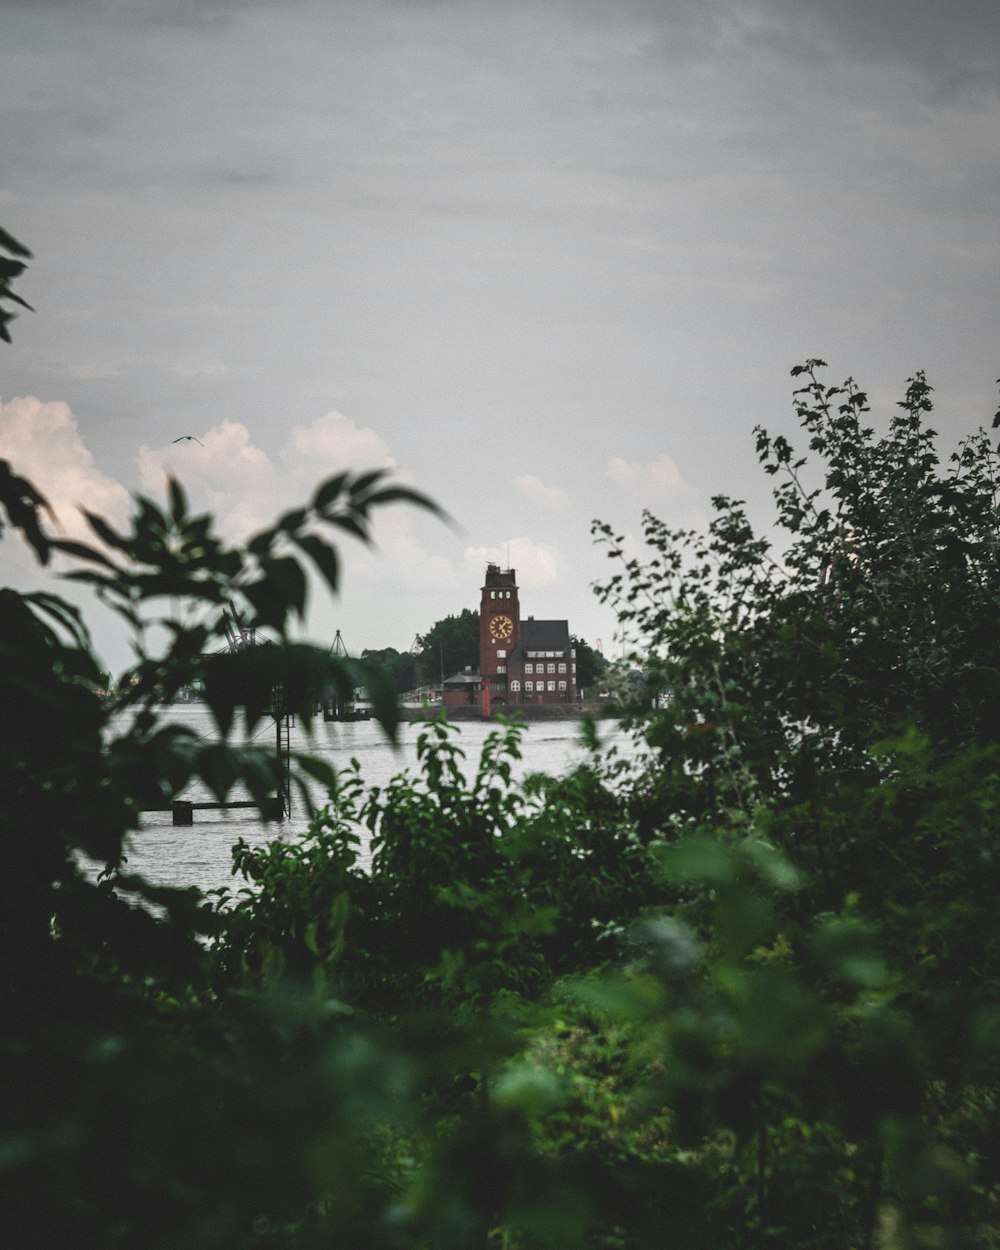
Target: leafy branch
column 10, row 268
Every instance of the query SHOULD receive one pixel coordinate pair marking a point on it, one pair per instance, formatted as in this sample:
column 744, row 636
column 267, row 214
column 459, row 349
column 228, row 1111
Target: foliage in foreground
column 736, row 987
column 112, row 1054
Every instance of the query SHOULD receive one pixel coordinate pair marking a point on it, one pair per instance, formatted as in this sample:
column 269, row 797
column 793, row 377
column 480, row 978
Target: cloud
column 42, row 442
column 954, row 45
column 402, row 563
column 225, row 473
column 245, row 489
column 334, row 442
column 228, row 473
column 537, row 564
column 552, row 498
column 660, row 476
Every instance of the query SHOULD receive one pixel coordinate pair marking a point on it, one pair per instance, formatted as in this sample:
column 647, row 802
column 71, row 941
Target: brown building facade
column 521, row 661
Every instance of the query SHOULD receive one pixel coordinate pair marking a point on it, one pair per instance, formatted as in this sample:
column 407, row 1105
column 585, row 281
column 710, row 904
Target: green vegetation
column 591, row 667
column 451, row 645
column 448, row 647
column 736, row 988
column 400, row 667
column 11, row 266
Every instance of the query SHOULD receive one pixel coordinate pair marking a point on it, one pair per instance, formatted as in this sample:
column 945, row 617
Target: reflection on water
column 200, row 854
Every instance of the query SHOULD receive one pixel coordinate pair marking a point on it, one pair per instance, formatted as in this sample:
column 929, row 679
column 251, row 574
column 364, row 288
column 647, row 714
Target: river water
column 199, row 854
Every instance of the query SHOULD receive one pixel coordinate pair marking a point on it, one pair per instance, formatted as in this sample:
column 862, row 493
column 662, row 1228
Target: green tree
column 400, row 667
column 479, row 894
column 450, row 646
column 590, row 666
column 139, row 1108
column 832, row 708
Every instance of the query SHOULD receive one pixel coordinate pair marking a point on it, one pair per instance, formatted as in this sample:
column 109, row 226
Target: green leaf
column 850, row 948
column 698, row 859
column 10, row 244
column 328, row 491
column 178, row 499
column 323, row 555
column 104, row 531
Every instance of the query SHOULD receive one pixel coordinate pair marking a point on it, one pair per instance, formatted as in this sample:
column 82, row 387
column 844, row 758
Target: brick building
column 521, row 660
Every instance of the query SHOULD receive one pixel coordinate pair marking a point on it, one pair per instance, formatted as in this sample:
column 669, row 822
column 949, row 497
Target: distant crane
column 240, row 638
column 237, row 635
column 334, row 706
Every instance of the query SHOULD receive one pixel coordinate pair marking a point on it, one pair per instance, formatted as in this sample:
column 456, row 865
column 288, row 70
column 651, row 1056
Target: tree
column 450, row 646
column 124, row 1076
column 823, row 778
column 590, row 665
column 400, row 667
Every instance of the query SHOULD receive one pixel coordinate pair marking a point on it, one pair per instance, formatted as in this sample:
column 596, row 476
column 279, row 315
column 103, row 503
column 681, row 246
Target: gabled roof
column 544, row 635
column 541, row 636
column 463, row 679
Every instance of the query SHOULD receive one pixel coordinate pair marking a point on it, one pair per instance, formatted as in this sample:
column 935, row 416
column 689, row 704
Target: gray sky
column 551, row 261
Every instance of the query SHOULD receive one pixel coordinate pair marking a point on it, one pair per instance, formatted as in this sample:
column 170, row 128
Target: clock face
column 501, row 627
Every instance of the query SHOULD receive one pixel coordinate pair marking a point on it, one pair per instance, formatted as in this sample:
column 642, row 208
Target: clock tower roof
column 496, row 576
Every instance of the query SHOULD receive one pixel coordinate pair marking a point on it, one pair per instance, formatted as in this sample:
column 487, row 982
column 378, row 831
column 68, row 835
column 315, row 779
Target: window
column 562, row 668
column 501, row 655
column 552, row 685
column 562, row 685
column 529, row 685
column 529, row 668
column 551, row 668
column 515, row 686
column 501, row 668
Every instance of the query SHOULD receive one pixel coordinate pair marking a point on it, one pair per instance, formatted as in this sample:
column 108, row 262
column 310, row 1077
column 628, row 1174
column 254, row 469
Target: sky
column 547, row 262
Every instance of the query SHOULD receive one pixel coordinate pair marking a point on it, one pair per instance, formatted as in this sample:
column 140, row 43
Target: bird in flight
column 187, row 438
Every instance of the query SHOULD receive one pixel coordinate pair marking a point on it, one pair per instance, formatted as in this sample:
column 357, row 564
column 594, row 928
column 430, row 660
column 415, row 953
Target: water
column 199, row 854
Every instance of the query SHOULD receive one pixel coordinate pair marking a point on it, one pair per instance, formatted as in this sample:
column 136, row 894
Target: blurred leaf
column 850, row 948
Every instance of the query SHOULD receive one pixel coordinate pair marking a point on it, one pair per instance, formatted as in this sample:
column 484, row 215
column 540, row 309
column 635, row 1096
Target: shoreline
column 521, row 711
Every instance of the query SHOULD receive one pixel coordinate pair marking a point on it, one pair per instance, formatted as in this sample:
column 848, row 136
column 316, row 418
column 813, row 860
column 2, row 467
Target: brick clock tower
column 499, row 629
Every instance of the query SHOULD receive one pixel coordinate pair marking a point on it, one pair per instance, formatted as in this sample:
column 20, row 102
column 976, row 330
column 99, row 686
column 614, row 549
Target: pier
column 182, row 810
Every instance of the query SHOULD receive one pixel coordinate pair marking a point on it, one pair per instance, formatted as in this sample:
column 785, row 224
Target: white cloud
column 42, row 442
column 537, row 564
column 334, row 442
column 660, row 476
column 401, row 562
column 231, row 475
column 552, row 498
column 245, row 490
column 224, row 472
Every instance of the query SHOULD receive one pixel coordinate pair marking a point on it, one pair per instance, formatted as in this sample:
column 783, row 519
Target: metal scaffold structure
column 336, row 706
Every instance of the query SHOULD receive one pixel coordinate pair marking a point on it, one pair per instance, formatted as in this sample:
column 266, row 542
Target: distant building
column 521, row 661
column 462, row 690
column 542, row 667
